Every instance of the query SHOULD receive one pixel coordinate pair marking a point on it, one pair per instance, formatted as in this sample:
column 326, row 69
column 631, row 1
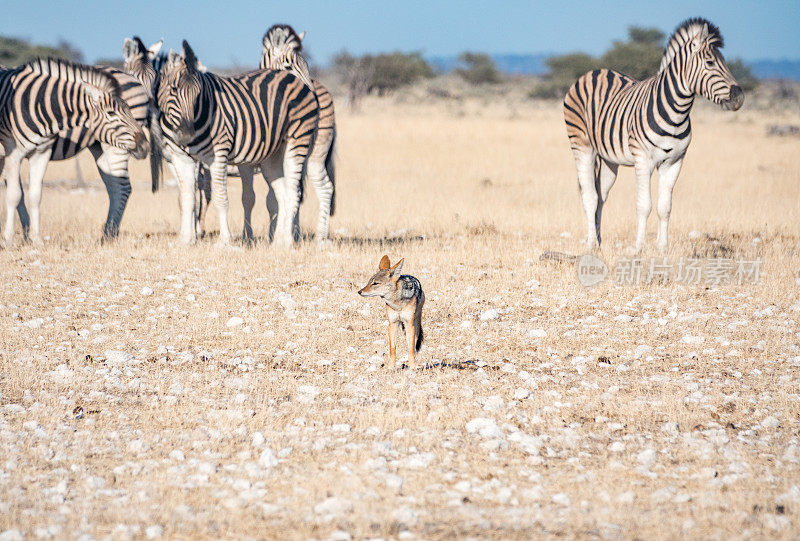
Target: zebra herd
column 279, row 119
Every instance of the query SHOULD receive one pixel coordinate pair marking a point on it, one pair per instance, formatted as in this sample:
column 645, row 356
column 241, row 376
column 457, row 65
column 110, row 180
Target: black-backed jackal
column 404, row 299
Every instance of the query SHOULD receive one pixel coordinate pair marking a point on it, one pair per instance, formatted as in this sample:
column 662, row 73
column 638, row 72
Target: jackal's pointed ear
column 384, row 264
column 395, row 271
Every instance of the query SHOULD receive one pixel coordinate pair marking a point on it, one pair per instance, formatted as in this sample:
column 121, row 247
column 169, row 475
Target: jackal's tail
column 419, row 339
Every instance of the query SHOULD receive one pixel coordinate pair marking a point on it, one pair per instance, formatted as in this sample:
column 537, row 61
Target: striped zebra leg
column 644, row 204
column 323, row 185
column 288, row 230
column 22, row 210
column 112, row 163
column 185, row 171
column 605, row 178
column 38, row 164
column 13, row 194
column 248, row 202
column 204, row 191
column 219, row 195
column 667, row 175
column 272, row 170
column 585, row 163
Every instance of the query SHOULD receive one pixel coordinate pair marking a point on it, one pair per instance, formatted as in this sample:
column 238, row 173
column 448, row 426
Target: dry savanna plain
column 149, row 390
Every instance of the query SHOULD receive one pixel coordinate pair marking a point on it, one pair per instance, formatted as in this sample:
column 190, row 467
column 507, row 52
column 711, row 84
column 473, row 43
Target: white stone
column 646, row 457
column 34, row 323
column 258, row 439
column 153, row 532
column 146, row 291
column 616, row 447
column 561, row 499
column 484, row 427
column 406, row 516
column 626, row 497
column 694, row 340
column 490, row 314
column 307, row 393
column 235, row 321
column 520, row 393
column 536, row 333
column 333, row 506
column 770, row 422
column 117, row 357
column 176, row 454
column 268, row 459
column 494, row 403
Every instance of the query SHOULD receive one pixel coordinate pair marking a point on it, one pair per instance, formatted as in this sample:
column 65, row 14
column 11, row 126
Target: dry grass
column 615, row 440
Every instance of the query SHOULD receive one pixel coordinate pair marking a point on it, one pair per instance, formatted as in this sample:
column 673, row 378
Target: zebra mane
column 279, row 34
column 685, row 32
column 73, row 71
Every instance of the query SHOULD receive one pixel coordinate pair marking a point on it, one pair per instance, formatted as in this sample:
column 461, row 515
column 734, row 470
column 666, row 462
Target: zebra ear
column 188, row 57
column 155, row 48
column 173, row 58
column 129, row 49
column 699, row 38
column 302, row 35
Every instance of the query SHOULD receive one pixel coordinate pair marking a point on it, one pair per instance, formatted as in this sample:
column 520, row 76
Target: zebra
column 614, row 120
column 145, row 63
column 50, row 106
column 240, row 120
column 112, row 163
column 282, row 50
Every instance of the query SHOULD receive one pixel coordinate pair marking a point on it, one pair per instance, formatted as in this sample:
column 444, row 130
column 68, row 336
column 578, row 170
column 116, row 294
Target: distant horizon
column 230, row 33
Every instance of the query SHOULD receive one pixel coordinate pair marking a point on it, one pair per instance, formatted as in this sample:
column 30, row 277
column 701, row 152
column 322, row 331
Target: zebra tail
column 330, row 168
column 156, row 154
column 311, row 144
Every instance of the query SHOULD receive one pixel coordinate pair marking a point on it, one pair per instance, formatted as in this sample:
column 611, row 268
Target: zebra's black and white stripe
column 614, row 120
column 112, row 163
column 145, row 64
column 283, row 50
column 46, row 101
column 240, row 120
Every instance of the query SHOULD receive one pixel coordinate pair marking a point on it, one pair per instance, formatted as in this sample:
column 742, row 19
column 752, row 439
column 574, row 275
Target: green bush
column 564, row 70
column 15, row 51
column 390, row 71
column 743, row 74
column 477, row 68
column 640, row 56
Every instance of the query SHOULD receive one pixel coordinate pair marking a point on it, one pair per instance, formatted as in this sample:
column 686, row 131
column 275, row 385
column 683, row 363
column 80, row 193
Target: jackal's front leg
column 392, row 343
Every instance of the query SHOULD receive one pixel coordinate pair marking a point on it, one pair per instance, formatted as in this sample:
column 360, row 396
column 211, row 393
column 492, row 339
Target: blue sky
column 229, row 32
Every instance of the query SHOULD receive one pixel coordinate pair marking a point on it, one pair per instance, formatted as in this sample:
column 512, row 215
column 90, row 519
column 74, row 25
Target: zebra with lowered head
column 112, row 162
column 241, row 120
column 49, row 99
column 283, row 50
column 614, row 120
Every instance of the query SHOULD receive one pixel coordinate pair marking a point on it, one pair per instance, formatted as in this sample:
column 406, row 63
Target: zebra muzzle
column 142, row 146
column 184, row 134
column 735, row 99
